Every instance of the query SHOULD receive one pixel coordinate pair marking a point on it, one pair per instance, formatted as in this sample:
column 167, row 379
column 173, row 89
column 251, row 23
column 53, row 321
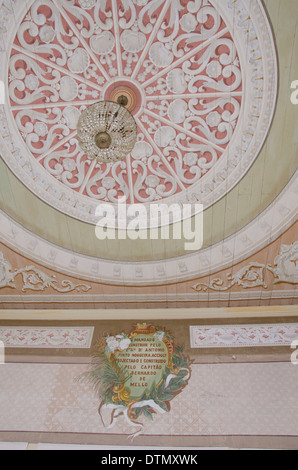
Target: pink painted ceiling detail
column 178, row 57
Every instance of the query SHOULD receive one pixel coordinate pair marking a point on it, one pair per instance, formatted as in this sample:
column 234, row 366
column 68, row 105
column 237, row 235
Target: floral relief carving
column 286, row 263
column 6, row 276
column 34, row 279
column 285, row 270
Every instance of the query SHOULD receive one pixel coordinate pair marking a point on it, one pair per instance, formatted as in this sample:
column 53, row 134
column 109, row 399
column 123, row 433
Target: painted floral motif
column 159, row 335
column 117, row 343
column 46, row 337
column 221, row 336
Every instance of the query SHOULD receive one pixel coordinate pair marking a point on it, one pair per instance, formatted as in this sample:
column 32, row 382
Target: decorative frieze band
column 46, row 337
column 211, row 336
column 229, row 336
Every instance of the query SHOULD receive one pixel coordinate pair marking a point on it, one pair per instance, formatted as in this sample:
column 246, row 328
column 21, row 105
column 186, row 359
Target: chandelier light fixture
column 107, row 131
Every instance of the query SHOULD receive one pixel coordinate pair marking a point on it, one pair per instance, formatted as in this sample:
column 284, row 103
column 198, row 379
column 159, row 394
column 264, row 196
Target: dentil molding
column 264, row 229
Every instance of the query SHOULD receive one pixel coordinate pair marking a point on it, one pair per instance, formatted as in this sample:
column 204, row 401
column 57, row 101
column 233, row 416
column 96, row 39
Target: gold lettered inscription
column 145, row 361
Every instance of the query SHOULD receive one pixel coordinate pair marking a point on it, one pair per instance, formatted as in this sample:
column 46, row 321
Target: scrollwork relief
column 285, row 270
column 35, row 279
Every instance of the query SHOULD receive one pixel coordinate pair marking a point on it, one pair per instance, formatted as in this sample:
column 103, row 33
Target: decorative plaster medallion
column 203, row 114
column 137, row 374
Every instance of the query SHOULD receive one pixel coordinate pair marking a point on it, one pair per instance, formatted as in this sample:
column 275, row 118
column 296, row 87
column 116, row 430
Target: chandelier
column 107, row 131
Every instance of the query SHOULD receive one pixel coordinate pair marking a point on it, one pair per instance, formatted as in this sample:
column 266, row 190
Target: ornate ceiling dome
column 202, row 109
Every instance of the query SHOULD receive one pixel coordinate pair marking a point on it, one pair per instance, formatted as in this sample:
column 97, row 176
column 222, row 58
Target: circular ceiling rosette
column 202, row 110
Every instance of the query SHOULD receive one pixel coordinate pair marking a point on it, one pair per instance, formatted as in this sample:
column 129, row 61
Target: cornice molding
column 139, row 299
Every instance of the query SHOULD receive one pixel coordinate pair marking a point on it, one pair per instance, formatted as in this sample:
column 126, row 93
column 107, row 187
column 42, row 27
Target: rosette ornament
column 107, row 132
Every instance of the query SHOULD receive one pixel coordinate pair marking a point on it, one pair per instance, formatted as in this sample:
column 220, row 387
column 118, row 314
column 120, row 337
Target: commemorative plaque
column 138, row 374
